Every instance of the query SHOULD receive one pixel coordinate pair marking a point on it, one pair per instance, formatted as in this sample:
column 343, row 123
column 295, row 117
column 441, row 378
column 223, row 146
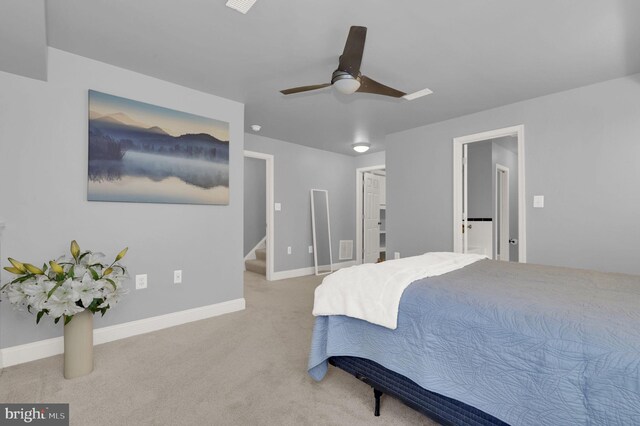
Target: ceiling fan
column 347, row 78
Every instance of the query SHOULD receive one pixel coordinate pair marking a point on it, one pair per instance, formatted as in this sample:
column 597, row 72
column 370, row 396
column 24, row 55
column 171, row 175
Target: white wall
column 581, row 152
column 43, row 185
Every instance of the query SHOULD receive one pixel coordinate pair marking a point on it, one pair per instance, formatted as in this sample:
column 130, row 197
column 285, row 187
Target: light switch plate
column 310, row 249
column 177, row 276
column 278, row 207
column 538, row 201
column 289, row 250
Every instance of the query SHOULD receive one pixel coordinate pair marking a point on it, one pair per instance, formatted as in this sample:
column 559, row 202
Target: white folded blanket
column 372, row 291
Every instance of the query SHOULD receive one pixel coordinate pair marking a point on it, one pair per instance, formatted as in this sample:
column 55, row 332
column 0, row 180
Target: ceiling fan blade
column 354, row 47
column 368, row 85
column 304, row 89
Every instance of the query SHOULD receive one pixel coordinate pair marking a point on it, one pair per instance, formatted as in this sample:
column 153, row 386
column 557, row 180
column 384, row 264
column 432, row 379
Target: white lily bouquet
column 68, row 285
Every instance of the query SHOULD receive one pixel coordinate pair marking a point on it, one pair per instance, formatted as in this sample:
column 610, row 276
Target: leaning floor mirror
column 321, row 231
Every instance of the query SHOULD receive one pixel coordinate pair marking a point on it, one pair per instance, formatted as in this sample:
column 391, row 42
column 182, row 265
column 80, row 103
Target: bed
column 500, row 342
column 447, row 411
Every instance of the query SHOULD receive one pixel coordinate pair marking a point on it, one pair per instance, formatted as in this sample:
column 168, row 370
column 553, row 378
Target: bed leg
column 377, row 394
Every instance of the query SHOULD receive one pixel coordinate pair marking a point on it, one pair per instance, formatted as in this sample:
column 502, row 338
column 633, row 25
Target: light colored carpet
column 245, row 368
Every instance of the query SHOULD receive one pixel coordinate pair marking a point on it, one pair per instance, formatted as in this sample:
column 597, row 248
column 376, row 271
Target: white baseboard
column 293, row 273
column 45, row 348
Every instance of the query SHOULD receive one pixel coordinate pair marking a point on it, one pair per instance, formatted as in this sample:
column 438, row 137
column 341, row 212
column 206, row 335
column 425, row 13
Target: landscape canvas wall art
column 145, row 153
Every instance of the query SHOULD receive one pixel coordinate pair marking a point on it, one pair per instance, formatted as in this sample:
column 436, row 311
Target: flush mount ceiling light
column 418, row 94
column 256, row 127
column 361, row 147
column 241, row 6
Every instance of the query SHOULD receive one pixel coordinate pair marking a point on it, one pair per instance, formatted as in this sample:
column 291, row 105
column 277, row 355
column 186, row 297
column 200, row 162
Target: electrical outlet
column 177, row 276
column 289, row 250
column 396, row 255
column 141, row 281
column 311, row 249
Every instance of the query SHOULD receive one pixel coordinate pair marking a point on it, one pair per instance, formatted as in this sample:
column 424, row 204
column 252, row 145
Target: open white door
column 502, row 212
column 371, row 218
column 465, row 198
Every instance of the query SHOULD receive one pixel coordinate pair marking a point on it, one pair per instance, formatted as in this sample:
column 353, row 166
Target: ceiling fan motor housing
column 342, row 75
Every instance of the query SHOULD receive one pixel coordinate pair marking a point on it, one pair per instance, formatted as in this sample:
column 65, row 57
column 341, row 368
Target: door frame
column 458, row 143
column 269, row 208
column 359, row 188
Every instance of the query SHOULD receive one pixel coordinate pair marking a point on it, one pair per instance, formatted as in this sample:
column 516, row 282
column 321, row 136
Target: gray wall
column 581, row 153
column 480, row 194
column 366, row 160
column 297, row 170
column 43, row 196
column 255, row 201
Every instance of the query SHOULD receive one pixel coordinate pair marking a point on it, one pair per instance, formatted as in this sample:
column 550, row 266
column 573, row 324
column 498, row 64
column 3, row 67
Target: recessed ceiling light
column 256, row 127
column 361, row 146
column 418, row 94
column 241, row 6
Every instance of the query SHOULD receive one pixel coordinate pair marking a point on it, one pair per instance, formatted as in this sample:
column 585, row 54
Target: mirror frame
column 313, row 227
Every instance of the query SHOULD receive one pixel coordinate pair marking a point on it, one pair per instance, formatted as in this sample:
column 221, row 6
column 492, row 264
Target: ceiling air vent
column 241, row 6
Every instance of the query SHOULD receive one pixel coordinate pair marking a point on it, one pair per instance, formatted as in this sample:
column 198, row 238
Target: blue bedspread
column 530, row 345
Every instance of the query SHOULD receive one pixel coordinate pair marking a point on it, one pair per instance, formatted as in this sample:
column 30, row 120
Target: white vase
column 78, row 345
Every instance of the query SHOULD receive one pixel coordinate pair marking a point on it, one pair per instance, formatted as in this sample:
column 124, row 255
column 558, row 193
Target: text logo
column 34, row 414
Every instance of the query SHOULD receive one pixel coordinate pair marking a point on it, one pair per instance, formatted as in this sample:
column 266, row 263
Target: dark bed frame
column 446, row 411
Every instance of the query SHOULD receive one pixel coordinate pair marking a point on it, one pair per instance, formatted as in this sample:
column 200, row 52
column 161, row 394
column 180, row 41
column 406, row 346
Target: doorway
column 489, row 194
column 371, row 209
column 263, row 248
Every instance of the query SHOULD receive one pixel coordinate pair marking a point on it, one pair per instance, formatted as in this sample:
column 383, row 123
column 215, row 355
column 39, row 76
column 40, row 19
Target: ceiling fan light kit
column 347, row 78
column 344, row 82
column 361, row 147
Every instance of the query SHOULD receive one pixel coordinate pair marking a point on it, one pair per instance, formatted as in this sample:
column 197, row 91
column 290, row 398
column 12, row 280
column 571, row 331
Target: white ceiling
column 23, row 38
column 473, row 54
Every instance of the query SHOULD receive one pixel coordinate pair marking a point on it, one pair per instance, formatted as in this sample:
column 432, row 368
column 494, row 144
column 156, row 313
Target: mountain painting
column 145, row 153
